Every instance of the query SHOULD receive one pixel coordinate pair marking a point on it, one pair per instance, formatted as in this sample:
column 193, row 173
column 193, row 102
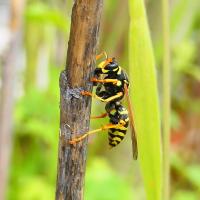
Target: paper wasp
column 112, row 84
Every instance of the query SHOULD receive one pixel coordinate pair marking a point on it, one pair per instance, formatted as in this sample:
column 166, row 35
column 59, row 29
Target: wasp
column 112, row 84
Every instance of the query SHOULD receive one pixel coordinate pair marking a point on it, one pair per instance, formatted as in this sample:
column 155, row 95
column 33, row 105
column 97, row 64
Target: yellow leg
column 119, row 94
column 108, row 126
column 86, row 93
column 114, row 81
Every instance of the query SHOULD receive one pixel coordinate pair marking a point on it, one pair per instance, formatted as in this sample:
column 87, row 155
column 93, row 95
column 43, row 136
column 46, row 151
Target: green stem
column 166, row 100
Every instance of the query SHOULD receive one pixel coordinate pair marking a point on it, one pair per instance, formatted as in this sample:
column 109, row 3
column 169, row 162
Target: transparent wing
column 133, row 133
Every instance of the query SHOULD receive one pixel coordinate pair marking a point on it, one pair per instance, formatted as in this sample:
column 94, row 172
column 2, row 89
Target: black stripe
column 119, row 130
column 113, row 136
column 113, row 145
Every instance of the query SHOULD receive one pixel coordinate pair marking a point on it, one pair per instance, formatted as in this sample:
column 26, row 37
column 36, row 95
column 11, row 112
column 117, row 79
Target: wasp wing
column 133, row 133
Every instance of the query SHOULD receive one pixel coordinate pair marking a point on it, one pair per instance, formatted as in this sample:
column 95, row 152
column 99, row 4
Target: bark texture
column 75, row 108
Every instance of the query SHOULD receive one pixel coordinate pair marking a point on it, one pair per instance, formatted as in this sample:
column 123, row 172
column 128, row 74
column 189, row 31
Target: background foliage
column 111, row 174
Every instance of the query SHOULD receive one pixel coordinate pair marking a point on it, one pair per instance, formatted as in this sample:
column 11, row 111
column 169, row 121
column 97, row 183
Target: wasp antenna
column 105, row 55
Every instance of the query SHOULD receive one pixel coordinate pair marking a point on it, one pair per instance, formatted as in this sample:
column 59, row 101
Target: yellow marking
column 114, row 142
column 120, row 70
column 124, row 112
column 126, row 81
column 127, row 119
column 117, row 139
column 119, row 83
column 121, row 134
column 120, row 127
column 118, row 133
column 122, row 122
column 115, row 69
column 104, row 70
column 101, row 64
column 112, row 133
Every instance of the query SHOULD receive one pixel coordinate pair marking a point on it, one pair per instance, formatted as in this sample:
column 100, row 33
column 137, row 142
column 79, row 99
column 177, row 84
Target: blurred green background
column 42, row 34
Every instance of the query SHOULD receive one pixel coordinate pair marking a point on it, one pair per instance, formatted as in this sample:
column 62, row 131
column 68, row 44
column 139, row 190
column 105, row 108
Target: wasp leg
column 100, row 116
column 119, row 94
column 108, row 126
column 114, row 81
column 86, row 93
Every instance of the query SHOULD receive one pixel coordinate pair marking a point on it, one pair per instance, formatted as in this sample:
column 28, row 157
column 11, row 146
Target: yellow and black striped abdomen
column 115, row 136
column 118, row 115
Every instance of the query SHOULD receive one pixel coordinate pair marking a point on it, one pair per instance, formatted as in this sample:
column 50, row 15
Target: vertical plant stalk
column 166, row 100
column 7, row 96
column 144, row 94
column 75, row 108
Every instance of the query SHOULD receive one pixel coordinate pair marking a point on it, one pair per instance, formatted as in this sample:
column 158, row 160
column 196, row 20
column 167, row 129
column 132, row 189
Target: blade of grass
column 144, row 95
column 166, row 100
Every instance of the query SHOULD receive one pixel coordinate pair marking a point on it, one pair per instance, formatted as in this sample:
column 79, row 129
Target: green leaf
column 144, row 95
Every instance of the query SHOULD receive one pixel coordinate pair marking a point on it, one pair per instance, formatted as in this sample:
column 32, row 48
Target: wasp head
column 111, row 67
